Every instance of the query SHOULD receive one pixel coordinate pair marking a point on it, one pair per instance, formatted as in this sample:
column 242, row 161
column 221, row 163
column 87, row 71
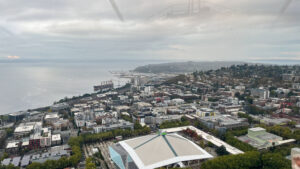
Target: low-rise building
column 274, row 121
column 25, row 161
column 13, row 147
column 25, row 145
column 156, row 120
column 223, row 121
column 260, row 139
column 51, row 118
column 40, row 139
column 261, row 93
column 34, row 141
column 45, row 138
column 120, row 124
column 121, row 109
column 142, row 106
column 56, row 139
column 6, row 161
column 59, row 106
column 16, row 161
column 204, row 112
column 61, row 124
column 229, row 109
column 23, row 131
column 17, row 116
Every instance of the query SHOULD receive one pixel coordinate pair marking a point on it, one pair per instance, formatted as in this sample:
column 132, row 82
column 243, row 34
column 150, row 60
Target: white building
column 45, row 138
column 25, row 129
column 56, row 139
column 177, row 101
column 282, row 90
column 155, row 151
column 51, row 118
column 148, row 89
column 261, row 93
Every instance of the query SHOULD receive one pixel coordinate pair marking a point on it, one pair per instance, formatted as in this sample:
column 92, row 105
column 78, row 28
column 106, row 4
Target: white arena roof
column 157, row 150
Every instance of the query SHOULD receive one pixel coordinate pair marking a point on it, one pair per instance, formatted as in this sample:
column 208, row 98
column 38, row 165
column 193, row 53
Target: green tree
column 4, row 156
column 248, row 160
column 34, row 165
column 9, row 132
column 274, row 160
column 90, row 164
column 137, row 126
column 221, row 151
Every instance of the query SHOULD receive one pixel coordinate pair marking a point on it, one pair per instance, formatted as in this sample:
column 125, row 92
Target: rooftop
column 257, row 129
column 153, row 151
column 260, row 139
column 51, row 116
column 56, row 137
column 16, row 161
column 25, row 143
column 6, row 161
column 12, row 145
column 24, row 129
column 25, row 160
column 217, row 142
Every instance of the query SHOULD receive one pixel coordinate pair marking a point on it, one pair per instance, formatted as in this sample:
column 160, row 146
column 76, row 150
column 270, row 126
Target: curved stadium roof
column 153, row 151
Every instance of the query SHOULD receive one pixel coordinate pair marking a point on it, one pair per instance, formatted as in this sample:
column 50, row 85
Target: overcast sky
column 243, row 30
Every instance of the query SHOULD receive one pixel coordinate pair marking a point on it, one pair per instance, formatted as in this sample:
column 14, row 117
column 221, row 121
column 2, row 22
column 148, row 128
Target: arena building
column 156, row 150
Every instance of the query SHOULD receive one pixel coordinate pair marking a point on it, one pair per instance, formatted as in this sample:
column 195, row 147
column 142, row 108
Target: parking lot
column 103, row 147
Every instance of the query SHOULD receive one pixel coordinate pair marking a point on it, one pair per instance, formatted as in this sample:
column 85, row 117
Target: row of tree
column 248, row 160
column 230, row 139
column 10, row 166
column 125, row 133
column 177, row 123
column 89, row 164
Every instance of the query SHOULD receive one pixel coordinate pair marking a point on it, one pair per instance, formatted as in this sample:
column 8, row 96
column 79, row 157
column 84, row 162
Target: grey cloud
column 221, row 30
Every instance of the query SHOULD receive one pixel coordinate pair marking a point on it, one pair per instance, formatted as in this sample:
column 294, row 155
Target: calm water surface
column 31, row 85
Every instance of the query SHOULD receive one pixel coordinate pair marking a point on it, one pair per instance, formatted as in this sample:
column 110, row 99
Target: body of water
column 31, row 83
column 27, row 85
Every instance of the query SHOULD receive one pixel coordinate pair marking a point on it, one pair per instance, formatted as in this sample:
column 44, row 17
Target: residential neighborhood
column 162, row 120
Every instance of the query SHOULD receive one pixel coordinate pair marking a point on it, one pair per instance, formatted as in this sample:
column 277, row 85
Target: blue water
column 31, row 84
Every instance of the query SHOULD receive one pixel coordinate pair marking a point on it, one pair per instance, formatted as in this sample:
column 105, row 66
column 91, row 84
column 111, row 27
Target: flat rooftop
column 51, row 116
column 257, row 129
column 16, row 161
column 261, row 139
column 56, row 137
column 21, row 129
column 12, row 145
column 6, row 161
column 157, row 150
